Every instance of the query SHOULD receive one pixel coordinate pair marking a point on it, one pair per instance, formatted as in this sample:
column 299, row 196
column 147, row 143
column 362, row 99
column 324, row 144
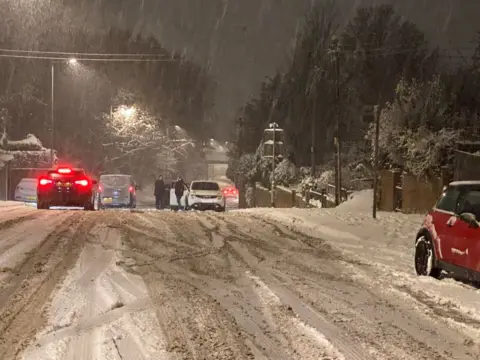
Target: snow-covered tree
column 141, row 143
column 412, row 128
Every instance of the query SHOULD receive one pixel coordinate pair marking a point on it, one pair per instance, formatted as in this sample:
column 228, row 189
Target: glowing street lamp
column 72, row 61
column 128, row 111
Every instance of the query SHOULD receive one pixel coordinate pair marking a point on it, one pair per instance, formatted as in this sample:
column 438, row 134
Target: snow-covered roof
column 270, row 142
column 465, row 183
column 30, row 143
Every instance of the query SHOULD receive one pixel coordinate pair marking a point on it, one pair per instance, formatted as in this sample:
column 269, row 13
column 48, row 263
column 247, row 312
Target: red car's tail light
column 131, row 189
column 64, row 171
column 43, row 182
column 82, row 182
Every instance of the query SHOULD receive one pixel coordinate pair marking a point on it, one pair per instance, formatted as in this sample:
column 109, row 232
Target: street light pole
column 272, row 195
column 52, row 116
column 71, row 61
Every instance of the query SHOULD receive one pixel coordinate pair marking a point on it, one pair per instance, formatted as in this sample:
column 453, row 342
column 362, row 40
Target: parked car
column 449, row 238
column 230, row 191
column 117, row 190
column 65, row 186
column 206, row 195
column 26, row 190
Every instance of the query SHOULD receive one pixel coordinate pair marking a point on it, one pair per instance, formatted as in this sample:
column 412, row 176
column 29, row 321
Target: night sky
column 242, row 41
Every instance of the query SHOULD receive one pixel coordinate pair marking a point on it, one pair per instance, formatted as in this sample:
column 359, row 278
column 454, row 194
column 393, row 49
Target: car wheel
column 425, row 258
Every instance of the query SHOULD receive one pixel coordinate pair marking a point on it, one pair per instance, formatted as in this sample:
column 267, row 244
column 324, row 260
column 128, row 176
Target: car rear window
column 205, row 185
column 74, row 174
column 115, row 180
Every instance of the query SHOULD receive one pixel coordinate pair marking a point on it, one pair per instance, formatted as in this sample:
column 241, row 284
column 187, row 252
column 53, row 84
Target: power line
column 76, row 53
column 86, row 59
column 59, row 55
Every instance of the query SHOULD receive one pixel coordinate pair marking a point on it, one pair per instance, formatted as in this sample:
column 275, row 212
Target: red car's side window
column 470, row 203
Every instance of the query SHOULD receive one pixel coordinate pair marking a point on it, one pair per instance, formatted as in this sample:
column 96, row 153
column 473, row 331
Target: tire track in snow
column 100, row 311
column 23, row 299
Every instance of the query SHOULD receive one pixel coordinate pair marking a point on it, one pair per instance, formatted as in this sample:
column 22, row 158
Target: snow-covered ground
column 98, row 308
column 386, row 245
column 235, row 285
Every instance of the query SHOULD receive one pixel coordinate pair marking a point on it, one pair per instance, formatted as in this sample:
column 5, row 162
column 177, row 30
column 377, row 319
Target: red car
column 65, row 186
column 449, row 239
column 230, row 191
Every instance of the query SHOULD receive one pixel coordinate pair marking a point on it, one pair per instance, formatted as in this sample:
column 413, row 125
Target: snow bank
column 360, row 201
column 386, row 246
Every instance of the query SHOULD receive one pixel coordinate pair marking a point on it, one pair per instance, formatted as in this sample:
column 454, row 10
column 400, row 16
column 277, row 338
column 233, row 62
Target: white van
column 26, row 190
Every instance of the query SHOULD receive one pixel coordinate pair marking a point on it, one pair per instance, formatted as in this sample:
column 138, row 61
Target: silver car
column 117, row 191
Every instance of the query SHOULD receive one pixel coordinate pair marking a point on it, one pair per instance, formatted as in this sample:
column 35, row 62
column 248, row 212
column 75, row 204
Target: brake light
column 44, row 182
column 82, row 182
column 64, row 171
column 131, row 189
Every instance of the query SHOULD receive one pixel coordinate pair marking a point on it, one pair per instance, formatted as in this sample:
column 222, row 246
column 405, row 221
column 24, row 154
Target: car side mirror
column 94, row 182
column 470, row 219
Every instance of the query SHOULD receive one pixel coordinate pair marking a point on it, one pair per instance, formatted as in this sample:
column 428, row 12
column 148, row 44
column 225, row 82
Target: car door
column 442, row 216
column 465, row 248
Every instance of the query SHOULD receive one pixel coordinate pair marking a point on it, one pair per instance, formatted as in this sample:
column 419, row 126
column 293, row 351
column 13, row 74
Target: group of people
column 162, row 192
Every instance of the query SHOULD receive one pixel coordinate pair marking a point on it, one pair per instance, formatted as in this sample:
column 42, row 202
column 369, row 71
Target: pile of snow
column 360, row 201
column 385, row 248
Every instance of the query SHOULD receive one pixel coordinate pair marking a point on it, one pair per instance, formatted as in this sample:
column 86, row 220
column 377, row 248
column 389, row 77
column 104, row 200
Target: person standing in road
column 159, row 192
column 179, row 189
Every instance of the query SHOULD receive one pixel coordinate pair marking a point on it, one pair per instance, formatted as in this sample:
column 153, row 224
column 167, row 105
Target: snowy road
column 162, row 285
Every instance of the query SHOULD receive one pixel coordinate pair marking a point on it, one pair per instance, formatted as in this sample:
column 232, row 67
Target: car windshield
column 115, row 180
column 205, row 185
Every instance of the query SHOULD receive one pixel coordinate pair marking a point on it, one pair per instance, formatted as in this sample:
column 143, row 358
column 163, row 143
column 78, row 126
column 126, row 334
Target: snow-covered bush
column 285, row 173
column 317, row 183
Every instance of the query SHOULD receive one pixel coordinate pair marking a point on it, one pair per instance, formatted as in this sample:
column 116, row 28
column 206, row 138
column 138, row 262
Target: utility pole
column 314, row 119
column 52, row 115
column 338, row 148
column 375, row 170
column 272, row 193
